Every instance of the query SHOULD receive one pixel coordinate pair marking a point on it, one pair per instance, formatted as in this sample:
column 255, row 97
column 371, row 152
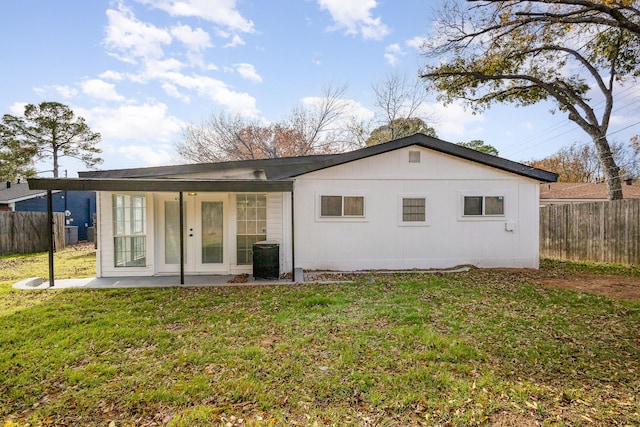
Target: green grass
column 476, row 348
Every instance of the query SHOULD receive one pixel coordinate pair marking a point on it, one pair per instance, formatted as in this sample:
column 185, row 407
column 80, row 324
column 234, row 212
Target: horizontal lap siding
column 275, row 229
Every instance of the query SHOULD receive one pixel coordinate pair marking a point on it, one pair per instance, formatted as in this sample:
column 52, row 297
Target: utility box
column 90, row 234
column 266, row 260
column 70, row 235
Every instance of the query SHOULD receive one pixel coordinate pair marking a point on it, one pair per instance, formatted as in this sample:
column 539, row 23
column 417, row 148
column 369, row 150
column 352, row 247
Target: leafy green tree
column 569, row 52
column 15, row 161
column 479, row 145
column 51, row 130
column 399, row 128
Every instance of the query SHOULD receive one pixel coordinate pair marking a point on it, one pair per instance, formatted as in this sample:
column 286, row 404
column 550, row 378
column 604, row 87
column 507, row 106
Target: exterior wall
column 276, row 231
column 81, row 205
column 380, row 240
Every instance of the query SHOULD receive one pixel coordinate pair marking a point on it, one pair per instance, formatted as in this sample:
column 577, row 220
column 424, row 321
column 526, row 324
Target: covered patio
column 177, row 185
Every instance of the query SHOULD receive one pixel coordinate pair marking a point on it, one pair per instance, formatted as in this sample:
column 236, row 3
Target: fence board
column 598, row 231
column 27, row 232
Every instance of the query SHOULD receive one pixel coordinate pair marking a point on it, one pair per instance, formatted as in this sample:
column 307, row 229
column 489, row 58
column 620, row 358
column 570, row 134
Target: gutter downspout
column 50, row 234
column 181, row 225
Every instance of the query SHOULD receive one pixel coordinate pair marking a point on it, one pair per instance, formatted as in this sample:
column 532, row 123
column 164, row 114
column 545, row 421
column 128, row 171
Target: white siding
column 380, row 241
column 275, row 225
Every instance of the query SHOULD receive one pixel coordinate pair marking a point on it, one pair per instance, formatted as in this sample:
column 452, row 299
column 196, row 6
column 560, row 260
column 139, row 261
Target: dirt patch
column 622, row 287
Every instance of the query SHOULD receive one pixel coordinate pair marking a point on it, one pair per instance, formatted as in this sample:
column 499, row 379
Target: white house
column 416, row 202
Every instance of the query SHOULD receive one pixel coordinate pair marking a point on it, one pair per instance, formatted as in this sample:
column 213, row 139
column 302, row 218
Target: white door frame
column 193, row 234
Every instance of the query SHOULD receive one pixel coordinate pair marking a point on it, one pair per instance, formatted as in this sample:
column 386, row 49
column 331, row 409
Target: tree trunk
column 611, row 170
column 55, row 163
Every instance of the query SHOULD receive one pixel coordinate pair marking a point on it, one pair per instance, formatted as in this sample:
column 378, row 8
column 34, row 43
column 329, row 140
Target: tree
column 52, row 131
column 399, row 111
column 399, row 128
column 309, row 129
column 579, row 162
column 15, row 161
column 569, row 52
column 615, row 14
column 479, row 145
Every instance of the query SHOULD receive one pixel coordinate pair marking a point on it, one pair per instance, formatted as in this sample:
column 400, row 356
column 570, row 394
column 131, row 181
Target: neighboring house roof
column 275, row 174
column 577, row 191
column 15, row 192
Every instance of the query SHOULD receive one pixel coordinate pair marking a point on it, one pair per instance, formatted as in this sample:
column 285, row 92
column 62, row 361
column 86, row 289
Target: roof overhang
column 160, row 184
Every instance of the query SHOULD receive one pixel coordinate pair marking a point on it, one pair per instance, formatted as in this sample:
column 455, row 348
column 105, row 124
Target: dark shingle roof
column 290, row 167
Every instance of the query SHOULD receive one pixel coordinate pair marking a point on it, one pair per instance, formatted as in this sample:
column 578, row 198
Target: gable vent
column 414, row 157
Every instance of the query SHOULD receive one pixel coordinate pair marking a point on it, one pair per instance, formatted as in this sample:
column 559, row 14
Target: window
column 413, row 209
column 341, row 206
column 483, row 205
column 251, row 223
column 129, row 230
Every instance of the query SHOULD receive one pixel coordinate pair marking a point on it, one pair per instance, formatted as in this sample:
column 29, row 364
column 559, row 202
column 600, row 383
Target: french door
column 205, row 233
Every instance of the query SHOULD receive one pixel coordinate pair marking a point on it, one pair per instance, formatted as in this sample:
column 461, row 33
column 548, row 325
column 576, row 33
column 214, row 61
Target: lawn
column 475, row 348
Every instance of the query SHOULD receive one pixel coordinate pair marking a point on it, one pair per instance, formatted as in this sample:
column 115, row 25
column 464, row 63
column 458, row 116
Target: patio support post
column 50, row 233
column 293, row 242
column 181, row 225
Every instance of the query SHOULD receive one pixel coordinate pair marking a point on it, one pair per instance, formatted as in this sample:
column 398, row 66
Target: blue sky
column 139, row 70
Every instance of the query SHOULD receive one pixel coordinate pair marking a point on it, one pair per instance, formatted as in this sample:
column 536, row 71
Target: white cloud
column 173, row 91
column 196, row 40
column 221, row 12
column 452, row 120
column 236, row 40
column 354, row 16
column 111, row 75
column 392, row 52
column 17, row 108
column 130, row 39
column 248, row 71
column 65, row 92
column 146, row 122
column 216, row 90
column 100, row 89
column 150, row 155
column 416, row 43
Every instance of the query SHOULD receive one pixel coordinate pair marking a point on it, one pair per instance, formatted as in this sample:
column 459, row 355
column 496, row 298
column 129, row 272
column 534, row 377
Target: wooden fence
column 26, row 232
column 598, row 231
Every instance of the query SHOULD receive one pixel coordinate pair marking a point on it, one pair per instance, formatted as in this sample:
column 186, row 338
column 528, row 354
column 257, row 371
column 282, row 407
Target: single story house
column 413, row 203
column 78, row 206
column 562, row 193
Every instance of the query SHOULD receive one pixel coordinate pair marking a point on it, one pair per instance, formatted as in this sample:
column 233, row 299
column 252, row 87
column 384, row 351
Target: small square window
column 413, row 210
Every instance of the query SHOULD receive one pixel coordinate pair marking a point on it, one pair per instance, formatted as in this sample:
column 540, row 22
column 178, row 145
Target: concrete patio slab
column 144, row 282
